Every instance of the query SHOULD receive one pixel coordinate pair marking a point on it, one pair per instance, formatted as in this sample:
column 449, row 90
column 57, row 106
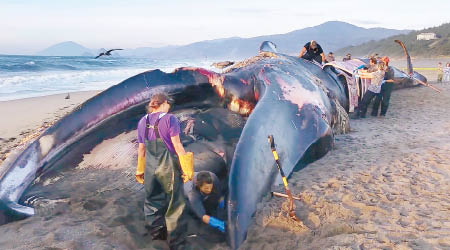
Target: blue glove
column 221, row 203
column 216, row 223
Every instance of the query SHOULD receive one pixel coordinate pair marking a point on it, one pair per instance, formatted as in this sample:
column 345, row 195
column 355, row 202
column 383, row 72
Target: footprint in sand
column 92, row 205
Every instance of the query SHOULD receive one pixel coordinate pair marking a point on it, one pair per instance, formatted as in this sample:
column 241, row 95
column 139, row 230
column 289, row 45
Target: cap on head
column 385, row 59
column 158, row 99
column 313, row 44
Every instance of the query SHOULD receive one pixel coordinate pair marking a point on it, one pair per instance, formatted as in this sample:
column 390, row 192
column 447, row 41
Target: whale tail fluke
column 268, row 46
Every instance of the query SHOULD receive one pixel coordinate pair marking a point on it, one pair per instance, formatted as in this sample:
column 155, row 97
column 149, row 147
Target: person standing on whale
column 160, row 155
column 312, row 51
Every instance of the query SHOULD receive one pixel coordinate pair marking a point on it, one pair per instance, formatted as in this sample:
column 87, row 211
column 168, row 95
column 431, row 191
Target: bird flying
column 107, row 53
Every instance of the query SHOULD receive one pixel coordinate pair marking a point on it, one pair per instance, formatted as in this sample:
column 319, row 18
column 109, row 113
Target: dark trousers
column 383, row 98
column 164, row 205
column 368, row 96
column 317, row 58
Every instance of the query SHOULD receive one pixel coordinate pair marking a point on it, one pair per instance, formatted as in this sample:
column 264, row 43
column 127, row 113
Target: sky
column 28, row 26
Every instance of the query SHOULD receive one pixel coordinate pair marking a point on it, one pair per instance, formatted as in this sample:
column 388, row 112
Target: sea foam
column 31, row 76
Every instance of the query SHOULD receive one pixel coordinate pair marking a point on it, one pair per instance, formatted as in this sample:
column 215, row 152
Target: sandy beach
column 25, row 119
column 383, row 186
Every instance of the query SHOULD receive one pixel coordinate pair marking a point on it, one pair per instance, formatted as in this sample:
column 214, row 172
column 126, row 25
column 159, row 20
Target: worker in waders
column 162, row 167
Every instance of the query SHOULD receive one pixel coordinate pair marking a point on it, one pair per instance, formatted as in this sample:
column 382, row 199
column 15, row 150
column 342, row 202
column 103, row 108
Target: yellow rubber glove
column 140, row 170
column 187, row 166
column 185, row 178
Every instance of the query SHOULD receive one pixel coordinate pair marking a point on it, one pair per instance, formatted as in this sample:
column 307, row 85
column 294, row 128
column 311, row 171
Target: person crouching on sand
column 206, row 199
column 374, row 88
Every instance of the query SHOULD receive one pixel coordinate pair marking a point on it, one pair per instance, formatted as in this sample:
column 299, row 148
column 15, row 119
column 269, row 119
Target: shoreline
column 64, row 94
column 28, row 117
column 76, row 92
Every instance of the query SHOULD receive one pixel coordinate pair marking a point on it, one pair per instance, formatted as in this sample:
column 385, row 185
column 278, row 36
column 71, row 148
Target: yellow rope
column 420, row 68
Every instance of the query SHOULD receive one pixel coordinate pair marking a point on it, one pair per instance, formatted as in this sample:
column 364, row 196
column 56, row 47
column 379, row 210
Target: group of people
column 378, row 70
column 172, row 188
column 443, row 72
column 381, row 85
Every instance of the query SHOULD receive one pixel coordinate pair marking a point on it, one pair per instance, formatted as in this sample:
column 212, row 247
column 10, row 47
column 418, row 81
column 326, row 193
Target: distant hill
column 66, row 49
column 422, row 48
column 331, row 36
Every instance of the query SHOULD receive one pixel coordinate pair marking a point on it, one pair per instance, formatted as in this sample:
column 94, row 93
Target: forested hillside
column 422, row 48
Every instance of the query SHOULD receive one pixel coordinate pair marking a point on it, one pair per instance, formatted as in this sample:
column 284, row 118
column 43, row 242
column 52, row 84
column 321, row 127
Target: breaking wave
column 30, row 76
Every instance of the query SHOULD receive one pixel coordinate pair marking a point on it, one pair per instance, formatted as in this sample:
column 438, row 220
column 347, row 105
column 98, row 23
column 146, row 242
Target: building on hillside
column 427, row 36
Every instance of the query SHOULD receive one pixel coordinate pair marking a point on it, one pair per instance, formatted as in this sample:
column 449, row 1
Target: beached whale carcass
column 296, row 92
column 282, row 95
column 292, row 99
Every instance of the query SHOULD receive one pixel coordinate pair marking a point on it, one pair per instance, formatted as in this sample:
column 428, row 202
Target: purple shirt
column 168, row 127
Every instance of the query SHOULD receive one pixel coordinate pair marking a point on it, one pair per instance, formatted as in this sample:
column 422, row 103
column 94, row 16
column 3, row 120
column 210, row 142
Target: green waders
column 164, row 199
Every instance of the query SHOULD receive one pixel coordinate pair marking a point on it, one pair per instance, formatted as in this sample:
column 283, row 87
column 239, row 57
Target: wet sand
column 384, row 185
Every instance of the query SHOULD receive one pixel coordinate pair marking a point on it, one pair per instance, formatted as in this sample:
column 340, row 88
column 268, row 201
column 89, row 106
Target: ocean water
column 31, row 76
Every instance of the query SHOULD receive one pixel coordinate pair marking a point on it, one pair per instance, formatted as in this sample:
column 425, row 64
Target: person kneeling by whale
column 162, row 163
column 205, row 199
